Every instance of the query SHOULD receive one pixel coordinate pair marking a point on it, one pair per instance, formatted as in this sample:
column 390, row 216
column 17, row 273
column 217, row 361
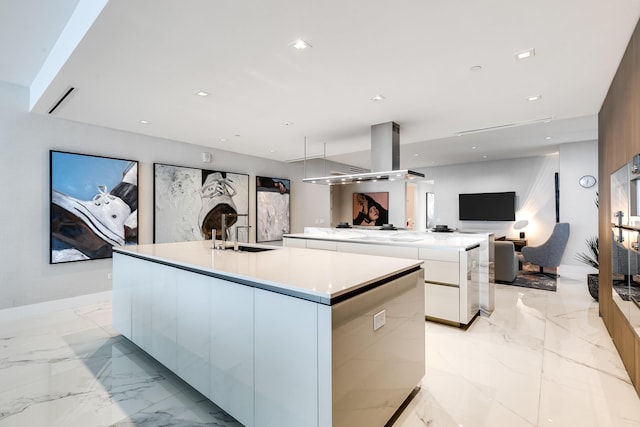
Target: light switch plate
column 379, row 319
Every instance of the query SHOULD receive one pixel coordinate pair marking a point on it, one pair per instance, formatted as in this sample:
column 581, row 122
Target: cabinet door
column 326, row 245
column 232, row 348
column 442, row 302
column 164, row 317
column 123, row 280
column 290, row 242
column 376, row 249
column 193, row 329
column 286, row 361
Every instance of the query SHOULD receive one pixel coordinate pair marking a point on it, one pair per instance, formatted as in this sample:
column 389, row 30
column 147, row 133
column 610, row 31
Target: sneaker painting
column 189, row 202
column 91, row 206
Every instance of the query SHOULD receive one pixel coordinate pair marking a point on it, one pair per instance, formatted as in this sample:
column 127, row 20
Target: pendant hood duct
column 385, row 160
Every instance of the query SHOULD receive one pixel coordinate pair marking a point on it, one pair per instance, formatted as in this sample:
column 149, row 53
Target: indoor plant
column 591, row 259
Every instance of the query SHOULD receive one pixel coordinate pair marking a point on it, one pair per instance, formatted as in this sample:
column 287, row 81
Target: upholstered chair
column 550, row 252
column 506, row 262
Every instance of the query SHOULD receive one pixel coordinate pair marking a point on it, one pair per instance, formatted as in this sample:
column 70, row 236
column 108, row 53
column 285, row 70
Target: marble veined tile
column 541, row 359
column 576, row 394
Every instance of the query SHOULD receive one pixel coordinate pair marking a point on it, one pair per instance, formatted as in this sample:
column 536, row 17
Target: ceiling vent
column 63, row 98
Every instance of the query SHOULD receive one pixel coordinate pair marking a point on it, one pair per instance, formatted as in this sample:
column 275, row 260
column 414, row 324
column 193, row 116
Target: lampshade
column 520, row 224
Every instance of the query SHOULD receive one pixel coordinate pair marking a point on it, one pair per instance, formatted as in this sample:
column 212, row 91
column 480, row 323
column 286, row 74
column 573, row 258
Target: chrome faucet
column 224, row 227
column 236, row 246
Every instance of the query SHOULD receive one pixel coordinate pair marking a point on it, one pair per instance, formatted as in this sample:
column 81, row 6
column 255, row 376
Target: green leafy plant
column 591, row 256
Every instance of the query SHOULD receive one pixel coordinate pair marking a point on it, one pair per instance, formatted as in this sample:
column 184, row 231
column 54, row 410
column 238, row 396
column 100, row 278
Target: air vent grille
column 61, row 99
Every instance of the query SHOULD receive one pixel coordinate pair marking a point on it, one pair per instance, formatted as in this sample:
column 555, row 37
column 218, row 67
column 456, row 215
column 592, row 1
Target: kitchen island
column 282, row 337
column 457, row 285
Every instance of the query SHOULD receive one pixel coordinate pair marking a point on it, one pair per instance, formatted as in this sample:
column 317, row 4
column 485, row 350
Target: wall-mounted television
column 487, row 206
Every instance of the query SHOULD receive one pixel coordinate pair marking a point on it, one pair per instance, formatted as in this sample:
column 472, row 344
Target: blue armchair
column 550, row 252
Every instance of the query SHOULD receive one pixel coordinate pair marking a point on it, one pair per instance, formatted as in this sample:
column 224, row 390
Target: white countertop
column 444, row 241
column 316, row 275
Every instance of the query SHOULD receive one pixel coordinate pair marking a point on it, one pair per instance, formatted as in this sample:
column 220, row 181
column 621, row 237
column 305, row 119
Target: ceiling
column 146, row 59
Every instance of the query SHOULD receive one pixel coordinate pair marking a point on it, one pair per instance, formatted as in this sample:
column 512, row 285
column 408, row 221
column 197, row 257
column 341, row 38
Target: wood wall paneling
column 619, row 132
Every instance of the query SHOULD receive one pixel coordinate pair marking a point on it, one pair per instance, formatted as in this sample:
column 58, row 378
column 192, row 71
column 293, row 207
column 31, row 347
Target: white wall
column 25, row 140
column 577, row 204
column 533, row 180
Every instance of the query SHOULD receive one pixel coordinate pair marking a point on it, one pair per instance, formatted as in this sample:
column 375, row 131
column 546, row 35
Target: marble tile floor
column 542, row 359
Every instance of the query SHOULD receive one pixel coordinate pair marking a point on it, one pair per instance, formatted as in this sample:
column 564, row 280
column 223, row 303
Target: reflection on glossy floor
column 542, row 359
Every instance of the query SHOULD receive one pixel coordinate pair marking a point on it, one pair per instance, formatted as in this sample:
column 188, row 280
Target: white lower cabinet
column 164, row 318
column 286, row 387
column 442, row 302
column 452, row 291
column 272, row 360
column 232, row 348
column 192, row 332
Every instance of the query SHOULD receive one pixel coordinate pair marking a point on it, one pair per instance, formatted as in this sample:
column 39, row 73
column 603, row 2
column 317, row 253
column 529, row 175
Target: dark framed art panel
column 93, row 205
column 272, row 208
column 189, row 203
column 370, row 209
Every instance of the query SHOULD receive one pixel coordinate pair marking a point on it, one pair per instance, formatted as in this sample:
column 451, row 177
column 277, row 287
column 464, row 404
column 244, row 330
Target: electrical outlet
column 379, row 319
column 109, row 276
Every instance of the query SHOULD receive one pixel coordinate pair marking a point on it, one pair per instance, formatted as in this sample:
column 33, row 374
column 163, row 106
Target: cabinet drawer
column 442, row 272
column 439, row 255
column 290, row 242
column 442, row 302
column 322, row 244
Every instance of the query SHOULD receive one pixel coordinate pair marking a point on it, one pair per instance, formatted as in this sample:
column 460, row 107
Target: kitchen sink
column 243, row 248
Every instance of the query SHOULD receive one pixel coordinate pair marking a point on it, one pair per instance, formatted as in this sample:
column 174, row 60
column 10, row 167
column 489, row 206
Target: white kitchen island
column 457, row 286
column 286, row 337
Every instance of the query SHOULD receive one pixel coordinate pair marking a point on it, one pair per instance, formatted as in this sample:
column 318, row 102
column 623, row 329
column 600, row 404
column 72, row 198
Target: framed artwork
column 189, row 203
column 93, row 206
column 272, row 208
column 370, row 209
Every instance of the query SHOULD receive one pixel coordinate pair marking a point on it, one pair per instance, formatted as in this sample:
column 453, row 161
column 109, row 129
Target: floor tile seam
column 624, row 378
column 592, row 341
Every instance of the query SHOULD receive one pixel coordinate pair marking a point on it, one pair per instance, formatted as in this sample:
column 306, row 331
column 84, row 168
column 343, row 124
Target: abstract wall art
column 370, row 209
column 189, row 203
column 272, row 208
column 93, row 205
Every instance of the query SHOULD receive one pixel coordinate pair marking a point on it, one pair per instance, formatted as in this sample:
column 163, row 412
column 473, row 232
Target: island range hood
column 385, row 160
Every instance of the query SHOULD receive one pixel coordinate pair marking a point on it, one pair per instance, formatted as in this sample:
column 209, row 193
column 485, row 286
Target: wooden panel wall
column 619, row 140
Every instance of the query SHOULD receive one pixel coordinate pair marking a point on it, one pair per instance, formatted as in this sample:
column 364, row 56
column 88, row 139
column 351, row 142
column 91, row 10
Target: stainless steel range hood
column 385, row 160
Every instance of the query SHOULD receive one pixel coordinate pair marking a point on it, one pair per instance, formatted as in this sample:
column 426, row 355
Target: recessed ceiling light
column 476, row 68
column 519, row 56
column 223, row 139
column 287, row 123
column 272, row 151
column 534, row 98
column 237, row 135
column 300, row 44
column 416, row 155
column 547, row 138
column 145, row 122
column 484, row 157
column 378, row 98
column 474, row 147
column 202, row 93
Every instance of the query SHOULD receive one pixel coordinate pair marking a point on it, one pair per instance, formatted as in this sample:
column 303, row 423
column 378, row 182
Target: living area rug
column 530, row 277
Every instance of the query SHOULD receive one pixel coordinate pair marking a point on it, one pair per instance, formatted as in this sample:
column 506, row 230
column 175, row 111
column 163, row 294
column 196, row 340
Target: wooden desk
column 518, row 243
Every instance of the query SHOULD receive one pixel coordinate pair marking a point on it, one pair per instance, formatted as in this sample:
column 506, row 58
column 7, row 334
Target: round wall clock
column 587, row 181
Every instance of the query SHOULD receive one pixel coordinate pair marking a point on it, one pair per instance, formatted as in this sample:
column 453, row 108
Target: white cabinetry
column 452, row 276
column 274, row 360
column 451, row 284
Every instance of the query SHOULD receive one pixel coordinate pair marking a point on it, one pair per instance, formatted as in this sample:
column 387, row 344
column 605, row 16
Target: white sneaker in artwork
column 216, row 193
column 105, row 215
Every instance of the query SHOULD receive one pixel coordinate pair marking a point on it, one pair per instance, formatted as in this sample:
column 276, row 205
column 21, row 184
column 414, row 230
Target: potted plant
column 591, row 259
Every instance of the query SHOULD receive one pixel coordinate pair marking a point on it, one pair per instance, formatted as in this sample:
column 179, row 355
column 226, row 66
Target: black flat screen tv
column 487, row 206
